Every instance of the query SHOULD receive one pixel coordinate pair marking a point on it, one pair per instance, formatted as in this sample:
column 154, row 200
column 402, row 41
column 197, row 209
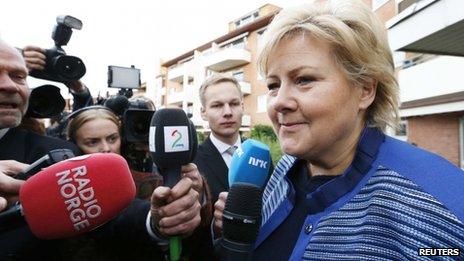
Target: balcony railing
column 176, row 74
column 177, row 97
column 227, row 58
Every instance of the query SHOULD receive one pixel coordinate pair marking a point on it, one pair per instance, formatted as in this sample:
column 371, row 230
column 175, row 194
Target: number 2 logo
column 176, row 142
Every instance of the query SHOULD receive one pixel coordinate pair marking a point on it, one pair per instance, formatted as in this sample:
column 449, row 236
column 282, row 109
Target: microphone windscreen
column 171, row 138
column 77, row 195
column 250, row 164
column 242, row 213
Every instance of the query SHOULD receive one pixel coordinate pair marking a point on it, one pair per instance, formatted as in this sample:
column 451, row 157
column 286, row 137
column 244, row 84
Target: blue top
column 282, row 240
column 393, row 200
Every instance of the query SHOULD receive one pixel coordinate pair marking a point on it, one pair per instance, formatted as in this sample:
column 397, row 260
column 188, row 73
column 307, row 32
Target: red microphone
column 77, row 195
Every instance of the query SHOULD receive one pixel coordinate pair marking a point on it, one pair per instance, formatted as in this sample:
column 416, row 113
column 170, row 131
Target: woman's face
column 98, row 135
column 315, row 111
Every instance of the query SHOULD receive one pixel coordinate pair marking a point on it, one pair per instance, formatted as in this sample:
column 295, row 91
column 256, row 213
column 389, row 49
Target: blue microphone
column 250, row 164
column 248, row 174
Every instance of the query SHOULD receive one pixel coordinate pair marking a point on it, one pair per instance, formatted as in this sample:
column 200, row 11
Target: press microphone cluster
column 248, row 173
column 74, row 196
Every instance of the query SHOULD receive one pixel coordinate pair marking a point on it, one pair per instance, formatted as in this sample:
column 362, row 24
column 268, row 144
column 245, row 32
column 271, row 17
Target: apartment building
column 236, row 53
column 428, row 35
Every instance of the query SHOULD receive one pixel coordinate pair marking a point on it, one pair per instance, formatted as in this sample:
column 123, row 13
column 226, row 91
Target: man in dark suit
column 222, row 108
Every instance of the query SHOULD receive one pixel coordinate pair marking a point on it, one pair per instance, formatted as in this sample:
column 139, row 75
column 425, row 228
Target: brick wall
column 437, row 133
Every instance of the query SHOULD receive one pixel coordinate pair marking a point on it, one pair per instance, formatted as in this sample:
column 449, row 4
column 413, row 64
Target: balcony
column 177, row 97
column 429, row 26
column 177, row 74
column 226, row 59
column 246, row 120
column 245, row 87
column 432, row 87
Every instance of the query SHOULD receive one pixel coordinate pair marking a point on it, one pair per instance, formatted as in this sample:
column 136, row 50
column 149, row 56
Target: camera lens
column 141, row 126
column 69, row 67
column 136, row 125
column 39, row 102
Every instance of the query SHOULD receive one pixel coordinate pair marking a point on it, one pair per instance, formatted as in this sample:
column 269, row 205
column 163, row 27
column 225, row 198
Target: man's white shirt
column 223, row 147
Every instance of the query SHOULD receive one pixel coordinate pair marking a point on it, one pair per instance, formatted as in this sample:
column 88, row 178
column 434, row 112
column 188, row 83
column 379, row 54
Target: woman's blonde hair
column 358, row 42
column 87, row 114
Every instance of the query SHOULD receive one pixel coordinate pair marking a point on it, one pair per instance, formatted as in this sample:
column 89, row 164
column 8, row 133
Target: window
column 399, row 58
column 402, row 132
column 262, row 103
column 402, row 129
column 260, row 38
column 239, row 75
column 190, row 109
column 209, row 72
column 239, row 43
column 247, row 19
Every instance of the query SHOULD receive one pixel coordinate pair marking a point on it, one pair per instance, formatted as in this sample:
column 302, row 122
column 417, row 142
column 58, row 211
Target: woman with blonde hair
column 344, row 189
column 95, row 129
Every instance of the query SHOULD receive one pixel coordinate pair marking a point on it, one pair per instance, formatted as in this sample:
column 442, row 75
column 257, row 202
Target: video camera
column 60, row 67
column 40, row 105
column 135, row 114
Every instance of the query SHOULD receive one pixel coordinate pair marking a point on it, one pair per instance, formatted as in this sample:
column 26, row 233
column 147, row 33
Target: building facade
column 235, row 53
column 427, row 37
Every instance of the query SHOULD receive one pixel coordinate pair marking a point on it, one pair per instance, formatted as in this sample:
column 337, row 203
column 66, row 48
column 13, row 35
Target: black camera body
column 59, row 66
column 40, row 105
column 135, row 117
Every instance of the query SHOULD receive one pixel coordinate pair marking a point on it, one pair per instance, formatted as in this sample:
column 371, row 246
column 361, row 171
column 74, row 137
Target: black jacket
column 27, row 147
column 212, row 166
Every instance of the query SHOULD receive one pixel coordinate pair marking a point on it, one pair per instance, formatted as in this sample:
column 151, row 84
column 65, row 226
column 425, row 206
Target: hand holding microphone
column 173, row 144
column 177, row 210
column 9, row 186
column 241, row 216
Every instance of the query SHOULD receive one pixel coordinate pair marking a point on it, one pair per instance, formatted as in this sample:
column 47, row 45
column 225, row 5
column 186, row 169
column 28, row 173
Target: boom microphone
column 242, row 213
column 75, row 196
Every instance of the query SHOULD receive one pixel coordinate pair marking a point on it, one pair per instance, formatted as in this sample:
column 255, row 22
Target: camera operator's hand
column 34, row 57
column 176, row 211
column 9, row 187
column 35, row 60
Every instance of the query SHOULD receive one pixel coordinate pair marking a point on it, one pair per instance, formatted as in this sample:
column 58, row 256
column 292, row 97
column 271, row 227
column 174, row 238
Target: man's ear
column 368, row 92
column 203, row 113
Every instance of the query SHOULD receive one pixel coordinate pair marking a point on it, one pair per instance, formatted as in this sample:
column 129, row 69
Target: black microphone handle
column 170, row 175
column 11, row 218
column 233, row 251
